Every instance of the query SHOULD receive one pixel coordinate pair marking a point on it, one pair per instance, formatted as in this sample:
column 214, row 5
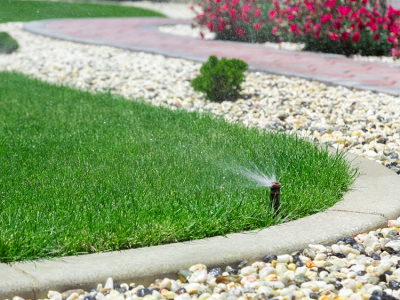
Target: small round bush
column 220, row 80
column 7, row 43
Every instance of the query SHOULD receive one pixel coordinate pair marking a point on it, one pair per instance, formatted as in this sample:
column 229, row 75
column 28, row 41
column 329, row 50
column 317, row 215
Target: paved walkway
column 141, row 34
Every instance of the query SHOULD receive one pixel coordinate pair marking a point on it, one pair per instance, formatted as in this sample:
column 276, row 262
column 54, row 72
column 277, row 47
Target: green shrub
column 220, row 79
column 7, row 43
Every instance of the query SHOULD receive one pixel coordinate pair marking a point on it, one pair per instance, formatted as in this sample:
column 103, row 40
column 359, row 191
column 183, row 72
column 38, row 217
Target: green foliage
column 220, row 79
column 7, row 43
column 24, row 11
column 366, row 46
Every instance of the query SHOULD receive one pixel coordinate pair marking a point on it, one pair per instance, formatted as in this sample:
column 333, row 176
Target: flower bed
column 366, row 27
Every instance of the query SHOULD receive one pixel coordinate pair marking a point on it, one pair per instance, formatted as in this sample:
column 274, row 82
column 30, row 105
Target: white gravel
column 361, row 122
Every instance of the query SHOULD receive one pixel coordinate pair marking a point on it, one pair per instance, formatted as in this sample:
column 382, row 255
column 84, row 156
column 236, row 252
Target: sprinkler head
column 274, row 196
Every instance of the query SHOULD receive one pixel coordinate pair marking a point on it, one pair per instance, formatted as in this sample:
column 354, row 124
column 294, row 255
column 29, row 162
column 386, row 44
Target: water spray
column 274, row 196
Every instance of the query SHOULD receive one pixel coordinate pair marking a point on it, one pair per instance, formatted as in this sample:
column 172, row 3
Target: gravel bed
column 360, row 268
column 360, row 122
column 188, row 30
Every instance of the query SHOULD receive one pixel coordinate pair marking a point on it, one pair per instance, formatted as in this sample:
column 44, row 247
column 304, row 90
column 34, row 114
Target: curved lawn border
column 141, row 34
column 373, row 200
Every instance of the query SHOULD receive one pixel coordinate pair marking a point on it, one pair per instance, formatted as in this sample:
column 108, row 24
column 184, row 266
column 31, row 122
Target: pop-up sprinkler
column 274, row 196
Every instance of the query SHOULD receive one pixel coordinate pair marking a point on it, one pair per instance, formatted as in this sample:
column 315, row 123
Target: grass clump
column 24, row 11
column 7, row 43
column 84, row 173
column 220, row 80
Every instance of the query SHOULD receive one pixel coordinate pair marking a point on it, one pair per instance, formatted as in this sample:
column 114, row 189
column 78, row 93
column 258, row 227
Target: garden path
column 141, row 34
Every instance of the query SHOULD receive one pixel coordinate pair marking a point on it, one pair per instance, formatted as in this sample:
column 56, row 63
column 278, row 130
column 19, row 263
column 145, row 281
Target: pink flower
column 246, row 9
column 239, row 31
column 326, row 18
column 344, row 10
column 333, row 36
column 345, row 36
column 395, row 52
column 356, row 37
column 232, row 12
column 217, row 1
column 310, row 6
column 293, row 27
column 274, row 30
column 234, row 2
column 257, row 13
column 191, row 7
column 380, row 20
column 330, row 3
column 290, row 17
column 221, row 26
column 272, row 13
column 257, row 26
column 376, row 37
column 210, row 25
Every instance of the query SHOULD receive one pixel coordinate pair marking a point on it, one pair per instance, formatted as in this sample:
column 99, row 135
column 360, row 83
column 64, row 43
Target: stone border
column 39, row 27
column 369, row 205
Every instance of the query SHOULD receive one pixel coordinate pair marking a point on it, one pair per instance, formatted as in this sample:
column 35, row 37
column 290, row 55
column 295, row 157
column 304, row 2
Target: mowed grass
column 82, row 173
column 24, row 11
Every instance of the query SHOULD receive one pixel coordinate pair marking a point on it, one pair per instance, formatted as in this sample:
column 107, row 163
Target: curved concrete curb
column 372, row 202
column 146, row 37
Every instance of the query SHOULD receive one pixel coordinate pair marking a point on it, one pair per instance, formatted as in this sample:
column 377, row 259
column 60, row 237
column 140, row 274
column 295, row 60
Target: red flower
column 293, row 27
column 290, row 17
column 257, row 13
column 330, row 3
column 395, row 52
column 232, row 12
column 272, row 13
column 376, row 37
column 234, row 2
column 356, row 37
column 344, row 10
column 217, row 1
column 337, row 24
column 333, row 36
column 391, row 39
column 274, row 30
column 210, row 25
column 257, row 26
column 246, row 9
column 310, row 6
column 345, row 36
column 316, row 35
column 326, row 18
column 380, row 20
column 239, row 31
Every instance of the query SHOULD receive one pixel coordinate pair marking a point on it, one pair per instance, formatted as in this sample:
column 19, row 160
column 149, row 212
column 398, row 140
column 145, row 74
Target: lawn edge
column 368, row 206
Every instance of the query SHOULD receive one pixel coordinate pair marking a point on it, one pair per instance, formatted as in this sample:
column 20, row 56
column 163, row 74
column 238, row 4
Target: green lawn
column 82, row 172
column 24, row 11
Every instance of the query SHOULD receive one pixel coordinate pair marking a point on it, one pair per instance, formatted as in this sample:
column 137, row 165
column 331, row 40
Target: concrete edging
column 369, row 205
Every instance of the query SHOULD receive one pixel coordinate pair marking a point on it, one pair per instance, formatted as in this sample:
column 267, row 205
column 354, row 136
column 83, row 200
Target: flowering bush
column 347, row 27
column 237, row 20
column 340, row 26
